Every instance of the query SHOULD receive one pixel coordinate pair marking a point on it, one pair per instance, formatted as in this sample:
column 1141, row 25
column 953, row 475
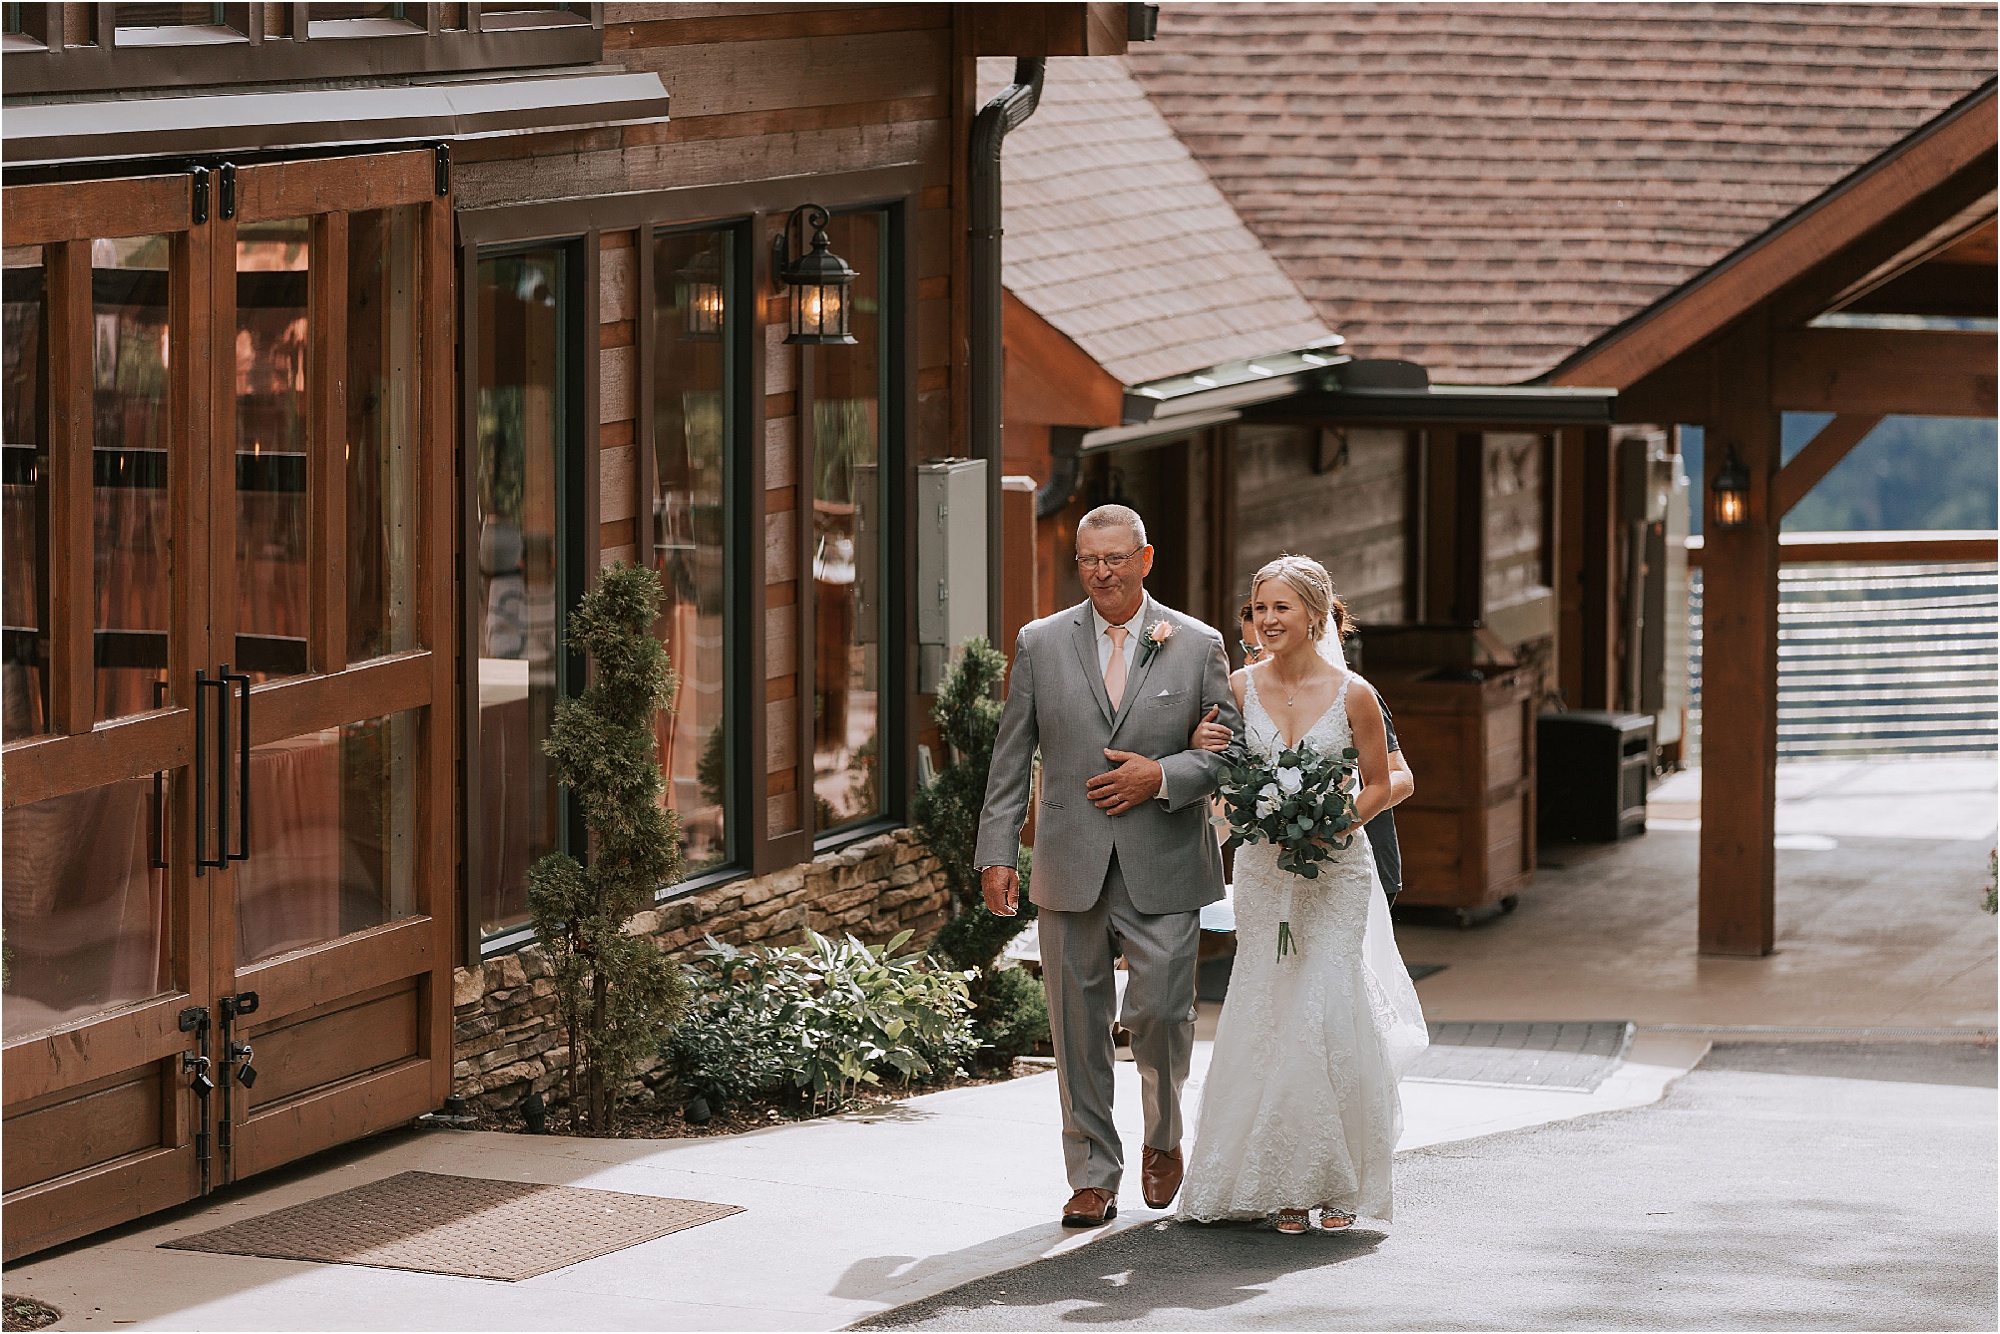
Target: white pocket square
column 1163, row 692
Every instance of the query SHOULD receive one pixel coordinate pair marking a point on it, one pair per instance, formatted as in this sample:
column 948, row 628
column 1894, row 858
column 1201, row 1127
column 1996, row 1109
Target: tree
column 1008, row 1009
column 617, row 995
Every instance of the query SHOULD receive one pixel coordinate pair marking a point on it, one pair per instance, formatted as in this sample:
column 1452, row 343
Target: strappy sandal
column 1334, row 1220
column 1292, row 1222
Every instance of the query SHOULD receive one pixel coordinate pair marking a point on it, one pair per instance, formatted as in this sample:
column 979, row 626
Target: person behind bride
column 1299, row 1109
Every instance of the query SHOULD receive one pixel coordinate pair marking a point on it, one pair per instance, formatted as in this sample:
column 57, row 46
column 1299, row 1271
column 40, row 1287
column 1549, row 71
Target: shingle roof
column 1116, row 237
column 1485, row 188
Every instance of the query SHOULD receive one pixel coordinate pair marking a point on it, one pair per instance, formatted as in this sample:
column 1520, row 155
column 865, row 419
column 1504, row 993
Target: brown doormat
column 467, row 1226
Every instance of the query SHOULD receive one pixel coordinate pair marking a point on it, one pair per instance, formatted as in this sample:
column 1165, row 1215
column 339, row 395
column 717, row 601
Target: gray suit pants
column 1078, row 949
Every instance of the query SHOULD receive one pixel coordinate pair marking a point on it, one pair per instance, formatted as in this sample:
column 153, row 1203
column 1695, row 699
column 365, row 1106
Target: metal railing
column 1877, row 659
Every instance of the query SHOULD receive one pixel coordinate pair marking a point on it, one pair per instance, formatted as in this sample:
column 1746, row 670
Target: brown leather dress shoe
column 1090, row 1207
column 1160, row 1176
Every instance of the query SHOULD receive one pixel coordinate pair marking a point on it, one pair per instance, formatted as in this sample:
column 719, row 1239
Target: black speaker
column 1591, row 777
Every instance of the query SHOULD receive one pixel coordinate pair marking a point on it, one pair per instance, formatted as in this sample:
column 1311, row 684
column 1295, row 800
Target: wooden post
column 1739, row 668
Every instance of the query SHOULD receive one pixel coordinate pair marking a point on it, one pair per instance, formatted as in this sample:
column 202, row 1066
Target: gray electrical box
column 951, row 561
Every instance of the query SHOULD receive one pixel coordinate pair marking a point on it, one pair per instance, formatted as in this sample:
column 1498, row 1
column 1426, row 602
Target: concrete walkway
column 844, row 1218
column 849, row 1217
column 1819, row 1187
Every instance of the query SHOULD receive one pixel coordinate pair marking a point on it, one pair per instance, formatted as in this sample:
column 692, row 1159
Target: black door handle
column 202, row 861
column 157, row 854
column 242, row 852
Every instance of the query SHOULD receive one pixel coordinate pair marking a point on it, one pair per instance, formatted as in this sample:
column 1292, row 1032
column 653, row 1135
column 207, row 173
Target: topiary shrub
column 946, row 815
column 617, row 995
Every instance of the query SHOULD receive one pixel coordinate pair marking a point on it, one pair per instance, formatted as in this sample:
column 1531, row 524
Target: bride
column 1299, row 1108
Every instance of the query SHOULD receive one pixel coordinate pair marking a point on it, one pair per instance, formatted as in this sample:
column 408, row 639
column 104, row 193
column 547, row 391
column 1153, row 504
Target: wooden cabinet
column 1468, row 833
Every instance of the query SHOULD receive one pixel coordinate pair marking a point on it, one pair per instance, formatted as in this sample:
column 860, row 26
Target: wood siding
column 1351, row 517
column 772, row 106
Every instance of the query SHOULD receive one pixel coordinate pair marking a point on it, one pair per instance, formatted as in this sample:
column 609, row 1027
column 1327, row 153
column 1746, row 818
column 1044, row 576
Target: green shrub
column 1015, row 1019
column 946, row 815
column 819, row 1021
column 616, row 994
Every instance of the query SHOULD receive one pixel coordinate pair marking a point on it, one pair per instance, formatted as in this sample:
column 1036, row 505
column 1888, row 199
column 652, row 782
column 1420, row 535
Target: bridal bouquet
column 1302, row 803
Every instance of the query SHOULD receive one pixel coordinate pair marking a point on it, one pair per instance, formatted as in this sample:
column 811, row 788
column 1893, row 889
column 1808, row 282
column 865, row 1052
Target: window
column 528, row 439
column 850, row 397
column 694, row 320
column 178, row 25
column 362, row 20
column 24, row 480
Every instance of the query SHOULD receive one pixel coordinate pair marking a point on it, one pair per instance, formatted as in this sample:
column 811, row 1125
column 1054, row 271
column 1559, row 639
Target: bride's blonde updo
column 1309, row 579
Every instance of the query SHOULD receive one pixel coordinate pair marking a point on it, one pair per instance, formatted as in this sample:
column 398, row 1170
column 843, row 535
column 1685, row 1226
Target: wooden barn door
column 333, row 611
column 108, row 957
column 229, row 734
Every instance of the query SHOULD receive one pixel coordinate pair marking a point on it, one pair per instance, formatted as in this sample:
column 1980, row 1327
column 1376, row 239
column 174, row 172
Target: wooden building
column 1412, row 179
column 343, row 344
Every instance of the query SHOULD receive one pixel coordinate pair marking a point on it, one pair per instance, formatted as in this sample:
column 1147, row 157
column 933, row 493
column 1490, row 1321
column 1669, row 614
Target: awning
column 244, row 122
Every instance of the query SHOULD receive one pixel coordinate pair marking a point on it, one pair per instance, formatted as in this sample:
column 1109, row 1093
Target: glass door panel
column 521, row 430
column 333, row 848
column 132, row 520
column 24, row 493
column 85, row 904
column 384, row 362
column 273, row 337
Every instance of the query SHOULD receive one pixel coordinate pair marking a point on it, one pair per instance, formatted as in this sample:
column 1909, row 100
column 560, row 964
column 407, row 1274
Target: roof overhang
column 1162, row 409
column 120, row 130
column 1449, row 404
column 1948, row 162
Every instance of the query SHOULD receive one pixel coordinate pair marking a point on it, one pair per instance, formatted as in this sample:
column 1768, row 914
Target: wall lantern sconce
column 818, row 280
column 702, row 303
column 1732, row 492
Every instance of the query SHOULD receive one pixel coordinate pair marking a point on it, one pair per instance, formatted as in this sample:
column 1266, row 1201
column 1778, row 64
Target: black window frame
column 575, row 510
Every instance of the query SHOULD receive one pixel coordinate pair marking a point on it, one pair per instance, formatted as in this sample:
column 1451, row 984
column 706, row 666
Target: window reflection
column 847, row 553
column 384, row 375
column 333, row 836
column 131, row 519
column 85, row 919
column 521, row 407
column 24, row 493
column 690, row 533
column 272, row 345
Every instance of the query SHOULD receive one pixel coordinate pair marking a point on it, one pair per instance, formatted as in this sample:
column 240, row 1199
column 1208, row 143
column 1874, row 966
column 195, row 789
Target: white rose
column 1289, row 779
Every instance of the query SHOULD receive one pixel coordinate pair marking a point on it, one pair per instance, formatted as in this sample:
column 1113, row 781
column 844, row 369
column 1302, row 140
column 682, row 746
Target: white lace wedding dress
column 1299, row 1107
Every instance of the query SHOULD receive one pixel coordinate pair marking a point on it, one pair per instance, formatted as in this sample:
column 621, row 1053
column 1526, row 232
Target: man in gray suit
column 1111, row 691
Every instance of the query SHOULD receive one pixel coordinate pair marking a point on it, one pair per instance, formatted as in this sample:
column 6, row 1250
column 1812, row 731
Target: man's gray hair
column 1115, row 516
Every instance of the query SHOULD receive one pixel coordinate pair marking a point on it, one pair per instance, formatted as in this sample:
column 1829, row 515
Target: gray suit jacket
column 1056, row 700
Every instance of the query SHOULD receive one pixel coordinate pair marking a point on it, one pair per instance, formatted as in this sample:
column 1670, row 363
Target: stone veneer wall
column 505, row 1038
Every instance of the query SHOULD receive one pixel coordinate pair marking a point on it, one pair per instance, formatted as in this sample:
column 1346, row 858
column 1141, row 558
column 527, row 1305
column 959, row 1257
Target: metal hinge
column 443, row 152
column 198, row 195
column 225, row 191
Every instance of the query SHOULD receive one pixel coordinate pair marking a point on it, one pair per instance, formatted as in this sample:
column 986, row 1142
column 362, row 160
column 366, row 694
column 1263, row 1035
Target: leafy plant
column 1992, row 902
column 616, row 994
column 946, row 814
column 819, row 1021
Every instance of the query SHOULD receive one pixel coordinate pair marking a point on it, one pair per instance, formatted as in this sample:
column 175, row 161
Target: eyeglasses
column 1112, row 563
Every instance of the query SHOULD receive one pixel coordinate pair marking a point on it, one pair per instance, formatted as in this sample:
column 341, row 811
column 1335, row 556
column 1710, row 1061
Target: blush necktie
column 1114, row 671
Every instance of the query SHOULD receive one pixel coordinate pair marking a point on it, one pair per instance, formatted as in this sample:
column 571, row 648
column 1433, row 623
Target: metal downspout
column 1013, row 105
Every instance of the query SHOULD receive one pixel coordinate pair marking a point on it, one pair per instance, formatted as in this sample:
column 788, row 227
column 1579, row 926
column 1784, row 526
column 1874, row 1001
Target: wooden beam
column 1919, row 372
column 1819, row 457
column 1739, row 738
column 1597, row 568
column 1962, row 140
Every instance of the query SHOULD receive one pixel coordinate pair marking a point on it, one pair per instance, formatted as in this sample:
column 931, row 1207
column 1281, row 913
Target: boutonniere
column 1154, row 639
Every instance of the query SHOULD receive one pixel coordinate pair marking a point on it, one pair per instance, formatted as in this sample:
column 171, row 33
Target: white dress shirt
column 1133, row 628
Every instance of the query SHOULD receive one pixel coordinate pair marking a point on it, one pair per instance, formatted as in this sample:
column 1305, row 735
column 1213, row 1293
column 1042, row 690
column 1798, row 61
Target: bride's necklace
column 1293, row 689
